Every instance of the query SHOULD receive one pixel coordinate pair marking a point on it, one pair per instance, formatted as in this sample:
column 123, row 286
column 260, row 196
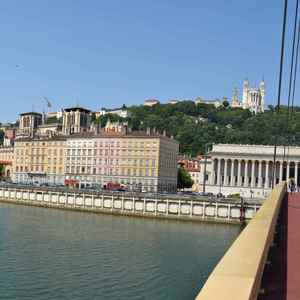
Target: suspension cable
column 279, row 86
column 296, row 67
column 291, row 113
column 290, row 82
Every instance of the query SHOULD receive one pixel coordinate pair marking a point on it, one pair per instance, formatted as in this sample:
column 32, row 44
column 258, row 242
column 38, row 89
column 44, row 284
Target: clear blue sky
column 105, row 53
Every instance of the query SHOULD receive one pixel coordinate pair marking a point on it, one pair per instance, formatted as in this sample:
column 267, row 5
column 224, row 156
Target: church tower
column 245, row 93
column 235, row 100
column 262, row 89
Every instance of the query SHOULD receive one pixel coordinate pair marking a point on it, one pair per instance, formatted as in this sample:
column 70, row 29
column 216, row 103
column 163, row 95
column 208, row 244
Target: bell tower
column 245, row 93
column 235, row 101
column 262, row 89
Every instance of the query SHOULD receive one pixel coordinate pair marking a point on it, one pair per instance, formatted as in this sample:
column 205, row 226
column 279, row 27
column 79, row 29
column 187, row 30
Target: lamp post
column 205, row 162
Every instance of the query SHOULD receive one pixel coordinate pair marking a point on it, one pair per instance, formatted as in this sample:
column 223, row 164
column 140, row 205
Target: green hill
column 195, row 125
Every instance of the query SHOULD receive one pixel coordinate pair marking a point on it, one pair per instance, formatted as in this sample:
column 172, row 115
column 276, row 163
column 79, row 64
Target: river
column 57, row 254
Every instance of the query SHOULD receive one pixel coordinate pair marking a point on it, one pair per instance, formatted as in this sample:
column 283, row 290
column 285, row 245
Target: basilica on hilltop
column 253, row 97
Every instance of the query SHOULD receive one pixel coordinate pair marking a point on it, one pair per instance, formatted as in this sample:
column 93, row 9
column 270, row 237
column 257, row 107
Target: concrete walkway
column 281, row 278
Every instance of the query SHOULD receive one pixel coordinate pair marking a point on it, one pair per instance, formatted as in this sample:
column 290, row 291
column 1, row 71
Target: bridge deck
column 281, row 279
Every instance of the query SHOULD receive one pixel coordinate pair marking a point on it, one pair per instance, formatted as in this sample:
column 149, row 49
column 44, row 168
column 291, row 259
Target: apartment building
column 138, row 160
column 39, row 160
column 6, row 160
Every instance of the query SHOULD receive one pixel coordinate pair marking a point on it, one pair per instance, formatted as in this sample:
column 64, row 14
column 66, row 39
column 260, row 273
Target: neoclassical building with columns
column 248, row 169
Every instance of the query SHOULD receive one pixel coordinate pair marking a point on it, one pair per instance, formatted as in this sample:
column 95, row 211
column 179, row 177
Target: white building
column 55, row 114
column 253, row 97
column 173, row 102
column 151, row 102
column 248, row 169
column 121, row 112
column 50, row 129
column 215, row 102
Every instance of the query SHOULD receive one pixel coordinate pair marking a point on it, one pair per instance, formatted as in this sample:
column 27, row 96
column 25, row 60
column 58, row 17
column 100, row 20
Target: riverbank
column 128, row 205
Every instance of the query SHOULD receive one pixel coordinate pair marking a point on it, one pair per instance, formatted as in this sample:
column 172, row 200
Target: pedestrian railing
column 238, row 274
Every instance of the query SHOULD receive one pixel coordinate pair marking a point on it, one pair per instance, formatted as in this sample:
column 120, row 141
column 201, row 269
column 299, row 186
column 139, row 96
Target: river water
column 56, row 254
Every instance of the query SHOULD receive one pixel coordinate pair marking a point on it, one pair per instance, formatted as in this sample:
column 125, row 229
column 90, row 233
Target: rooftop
column 133, row 134
column 77, row 108
column 31, row 113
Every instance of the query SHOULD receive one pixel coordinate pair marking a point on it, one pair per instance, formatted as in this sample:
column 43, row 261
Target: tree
column 184, row 179
column 194, row 125
column 225, row 103
column 1, row 170
column 1, row 137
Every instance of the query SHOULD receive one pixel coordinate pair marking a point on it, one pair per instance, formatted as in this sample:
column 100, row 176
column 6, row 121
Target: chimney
column 164, row 132
column 148, row 131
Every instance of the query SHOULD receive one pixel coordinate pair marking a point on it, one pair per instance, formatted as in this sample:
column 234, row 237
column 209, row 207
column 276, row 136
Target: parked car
column 204, row 194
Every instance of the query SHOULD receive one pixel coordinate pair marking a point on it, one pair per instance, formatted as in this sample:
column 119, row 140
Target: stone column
column 219, row 172
column 287, row 170
column 213, row 175
column 260, row 174
column 232, row 173
column 239, row 173
column 267, row 175
column 225, row 171
column 280, row 171
column 252, row 173
column 246, row 174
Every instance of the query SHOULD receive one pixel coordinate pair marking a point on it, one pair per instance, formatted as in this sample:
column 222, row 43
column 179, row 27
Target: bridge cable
column 296, row 68
column 291, row 79
column 292, row 114
column 279, row 85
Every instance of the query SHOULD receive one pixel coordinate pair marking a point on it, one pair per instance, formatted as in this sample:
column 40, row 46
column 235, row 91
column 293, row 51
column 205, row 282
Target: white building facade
column 121, row 112
column 215, row 102
column 248, row 169
column 254, row 98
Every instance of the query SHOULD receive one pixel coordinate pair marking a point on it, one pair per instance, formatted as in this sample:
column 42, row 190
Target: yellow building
column 39, row 160
column 6, row 161
column 143, row 161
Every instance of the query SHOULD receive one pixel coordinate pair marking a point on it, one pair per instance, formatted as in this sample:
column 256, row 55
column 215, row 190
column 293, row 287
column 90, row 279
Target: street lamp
column 205, row 162
column 251, row 193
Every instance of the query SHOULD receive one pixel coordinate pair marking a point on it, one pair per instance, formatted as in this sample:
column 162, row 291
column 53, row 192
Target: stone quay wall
column 130, row 205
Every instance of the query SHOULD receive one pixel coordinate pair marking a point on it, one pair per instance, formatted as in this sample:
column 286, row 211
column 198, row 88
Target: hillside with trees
column 195, row 125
